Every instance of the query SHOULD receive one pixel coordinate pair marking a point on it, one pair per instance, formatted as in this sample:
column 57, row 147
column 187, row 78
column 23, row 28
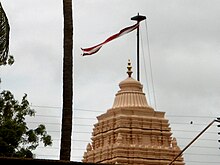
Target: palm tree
column 66, row 132
column 4, row 37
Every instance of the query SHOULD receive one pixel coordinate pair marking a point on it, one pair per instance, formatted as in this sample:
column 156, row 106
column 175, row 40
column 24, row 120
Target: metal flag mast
column 138, row 18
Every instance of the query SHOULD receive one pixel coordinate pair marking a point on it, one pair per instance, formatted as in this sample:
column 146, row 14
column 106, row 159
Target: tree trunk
column 66, row 132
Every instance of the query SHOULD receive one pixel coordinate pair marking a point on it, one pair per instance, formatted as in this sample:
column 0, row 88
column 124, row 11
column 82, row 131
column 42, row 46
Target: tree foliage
column 5, row 58
column 16, row 139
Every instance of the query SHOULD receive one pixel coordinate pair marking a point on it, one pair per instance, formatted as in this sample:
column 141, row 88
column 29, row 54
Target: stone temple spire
column 132, row 132
column 130, row 93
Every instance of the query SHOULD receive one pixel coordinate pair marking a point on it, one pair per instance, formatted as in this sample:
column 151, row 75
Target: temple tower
column 132, row 132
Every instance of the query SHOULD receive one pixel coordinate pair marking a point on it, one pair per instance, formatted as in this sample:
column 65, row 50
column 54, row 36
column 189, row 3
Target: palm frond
column 4, row 36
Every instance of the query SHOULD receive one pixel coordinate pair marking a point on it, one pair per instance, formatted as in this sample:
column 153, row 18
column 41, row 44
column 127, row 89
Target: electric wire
column 101, row 111
column 86, row 131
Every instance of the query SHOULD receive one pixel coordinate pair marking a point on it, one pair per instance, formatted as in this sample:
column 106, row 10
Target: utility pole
column 138, row 18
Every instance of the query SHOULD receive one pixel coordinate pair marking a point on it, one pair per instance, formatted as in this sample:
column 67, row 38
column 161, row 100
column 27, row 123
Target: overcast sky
column 179, row 54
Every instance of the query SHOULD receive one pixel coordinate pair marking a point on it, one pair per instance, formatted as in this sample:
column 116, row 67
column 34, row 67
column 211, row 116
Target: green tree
column 5, row 58
column 16, row 139
column 66, row 132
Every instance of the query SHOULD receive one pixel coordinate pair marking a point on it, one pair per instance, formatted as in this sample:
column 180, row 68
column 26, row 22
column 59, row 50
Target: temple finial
column 129, row 72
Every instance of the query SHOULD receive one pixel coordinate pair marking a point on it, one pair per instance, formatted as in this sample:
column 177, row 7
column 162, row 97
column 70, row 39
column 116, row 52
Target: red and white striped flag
column 94, row 49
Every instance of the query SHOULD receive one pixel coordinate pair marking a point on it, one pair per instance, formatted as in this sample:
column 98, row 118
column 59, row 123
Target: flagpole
column 138, row 18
